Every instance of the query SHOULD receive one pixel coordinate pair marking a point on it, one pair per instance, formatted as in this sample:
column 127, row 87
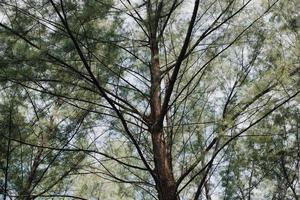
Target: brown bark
column 165, row 183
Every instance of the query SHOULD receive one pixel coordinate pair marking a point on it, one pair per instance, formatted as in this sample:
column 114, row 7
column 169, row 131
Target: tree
column 31, row 116
column 267, row 156
column 166, row 88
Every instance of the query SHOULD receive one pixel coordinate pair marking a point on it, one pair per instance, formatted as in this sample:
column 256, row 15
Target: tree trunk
column 165, row 183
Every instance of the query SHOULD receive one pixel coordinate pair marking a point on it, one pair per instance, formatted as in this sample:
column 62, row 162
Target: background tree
column 166, row 89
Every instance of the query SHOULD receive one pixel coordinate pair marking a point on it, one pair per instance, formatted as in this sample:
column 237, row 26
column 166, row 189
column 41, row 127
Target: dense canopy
column 149, row 99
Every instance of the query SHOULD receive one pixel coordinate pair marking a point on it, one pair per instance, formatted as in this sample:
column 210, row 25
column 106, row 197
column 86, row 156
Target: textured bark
column 165, row 183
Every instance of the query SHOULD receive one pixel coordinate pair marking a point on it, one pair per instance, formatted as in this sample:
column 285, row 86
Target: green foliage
column 77, row 100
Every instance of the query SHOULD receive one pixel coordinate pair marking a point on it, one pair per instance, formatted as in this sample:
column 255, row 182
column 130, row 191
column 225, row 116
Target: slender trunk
column 25, row 193
column 165, row 183
column 206, row 187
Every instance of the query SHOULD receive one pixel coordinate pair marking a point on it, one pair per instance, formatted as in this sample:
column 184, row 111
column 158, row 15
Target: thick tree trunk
column 165, row 183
